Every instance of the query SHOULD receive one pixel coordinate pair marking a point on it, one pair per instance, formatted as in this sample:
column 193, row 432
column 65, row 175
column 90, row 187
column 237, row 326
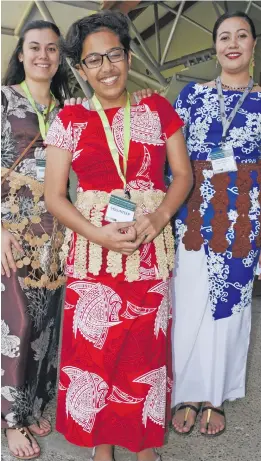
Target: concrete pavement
column 240, row 442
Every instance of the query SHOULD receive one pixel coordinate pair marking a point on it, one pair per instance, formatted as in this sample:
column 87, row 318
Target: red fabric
column 81, row 132
column 116, row 334
column 99, row 398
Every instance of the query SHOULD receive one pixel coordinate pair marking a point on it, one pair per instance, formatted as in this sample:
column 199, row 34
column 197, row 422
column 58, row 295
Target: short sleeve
column 65, row 131
column 170, row 120
column 183, row 103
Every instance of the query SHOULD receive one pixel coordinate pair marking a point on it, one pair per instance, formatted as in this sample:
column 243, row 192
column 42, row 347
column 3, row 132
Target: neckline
column 24, row 97
column 224, row 89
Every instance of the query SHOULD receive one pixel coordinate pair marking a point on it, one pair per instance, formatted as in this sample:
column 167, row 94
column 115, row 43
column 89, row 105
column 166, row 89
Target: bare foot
column 103, row 453
column 179, row 417
column 147, row 455
column 216, row 422
column 19, row 445
column 43, row 429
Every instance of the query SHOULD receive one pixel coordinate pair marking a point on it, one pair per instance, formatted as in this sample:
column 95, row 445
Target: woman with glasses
column 115, row 379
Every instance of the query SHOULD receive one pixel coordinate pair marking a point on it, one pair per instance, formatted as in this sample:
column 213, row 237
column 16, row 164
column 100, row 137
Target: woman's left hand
column 149, row 226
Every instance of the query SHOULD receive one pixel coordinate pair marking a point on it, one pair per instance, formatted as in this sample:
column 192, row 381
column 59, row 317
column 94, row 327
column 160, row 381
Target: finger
column 141, row 239
column 72, row 101
column 10, row 260
column 136, row 97
column 148, row 239
column 124, row 228
column 5, row 266
column 127, row 236
column 85, row 99
column 126, row 252
column 66, row 102
column 128, row 246
column 16, row 244
column 145, row 93
column 2, row 270
column 79, row 101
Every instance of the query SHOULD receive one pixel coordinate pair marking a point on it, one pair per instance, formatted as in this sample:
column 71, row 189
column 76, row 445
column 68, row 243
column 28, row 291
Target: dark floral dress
column 31, row 297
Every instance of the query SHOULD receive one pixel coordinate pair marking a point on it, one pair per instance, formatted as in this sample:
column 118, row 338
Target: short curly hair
column 79, row 30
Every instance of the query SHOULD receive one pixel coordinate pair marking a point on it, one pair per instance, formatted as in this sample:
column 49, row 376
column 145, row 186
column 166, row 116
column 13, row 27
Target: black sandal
column 216, row 410
column 188, row 408
column 23, row 431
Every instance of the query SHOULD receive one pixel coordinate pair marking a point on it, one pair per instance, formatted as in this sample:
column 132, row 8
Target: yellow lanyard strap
column 110, row 139
column 43, row 123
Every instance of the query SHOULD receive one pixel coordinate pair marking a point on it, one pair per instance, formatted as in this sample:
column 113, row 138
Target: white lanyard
column 226, row 122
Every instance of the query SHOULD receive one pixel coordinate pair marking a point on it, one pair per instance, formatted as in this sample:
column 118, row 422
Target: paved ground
column 241, row 441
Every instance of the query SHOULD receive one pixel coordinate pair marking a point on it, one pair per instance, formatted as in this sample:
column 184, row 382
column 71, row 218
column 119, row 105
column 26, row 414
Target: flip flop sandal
column 215, row 410
column 25, row 434
column 40, row 435
column 187, row 408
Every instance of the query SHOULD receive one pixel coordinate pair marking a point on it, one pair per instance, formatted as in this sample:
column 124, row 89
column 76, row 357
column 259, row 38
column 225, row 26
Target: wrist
column 164, row 216
column 96, row 235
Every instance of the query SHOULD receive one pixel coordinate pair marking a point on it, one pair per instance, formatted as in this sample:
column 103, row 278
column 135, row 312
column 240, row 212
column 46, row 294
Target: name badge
column 223, row 159
column 120, row 210
column 40, row 169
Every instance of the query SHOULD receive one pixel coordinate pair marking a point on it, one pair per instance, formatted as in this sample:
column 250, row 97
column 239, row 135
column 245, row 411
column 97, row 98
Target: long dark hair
column 235, row 14
column 112, row 20
column 15, row 73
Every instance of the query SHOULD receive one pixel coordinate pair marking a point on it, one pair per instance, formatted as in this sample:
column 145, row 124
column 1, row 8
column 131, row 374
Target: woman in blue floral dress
column 217, row 235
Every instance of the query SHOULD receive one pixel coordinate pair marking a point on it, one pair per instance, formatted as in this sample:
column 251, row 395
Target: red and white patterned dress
column 115, row 371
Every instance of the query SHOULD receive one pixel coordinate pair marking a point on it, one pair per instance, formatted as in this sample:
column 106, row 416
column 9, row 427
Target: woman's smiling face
column 109, row 79
column 40, row 55
column 234, row 45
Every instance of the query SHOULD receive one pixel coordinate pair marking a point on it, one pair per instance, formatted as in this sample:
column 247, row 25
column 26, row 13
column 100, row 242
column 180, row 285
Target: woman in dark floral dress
column 31, row 239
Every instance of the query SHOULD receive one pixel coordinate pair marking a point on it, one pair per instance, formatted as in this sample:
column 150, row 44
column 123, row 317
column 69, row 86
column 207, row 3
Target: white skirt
column 210, row 356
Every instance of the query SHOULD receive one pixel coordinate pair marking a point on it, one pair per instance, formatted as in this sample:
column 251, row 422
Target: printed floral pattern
column 230, row 278
column 30, row 316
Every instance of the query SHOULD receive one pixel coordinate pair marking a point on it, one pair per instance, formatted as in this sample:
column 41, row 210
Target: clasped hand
column 125, row 238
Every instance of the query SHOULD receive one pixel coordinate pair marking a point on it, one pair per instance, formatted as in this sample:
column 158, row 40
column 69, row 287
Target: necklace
column 237, row 88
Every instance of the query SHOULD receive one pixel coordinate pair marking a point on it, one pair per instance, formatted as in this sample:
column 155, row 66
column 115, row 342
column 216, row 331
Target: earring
column 253, row 61
column 217, row 63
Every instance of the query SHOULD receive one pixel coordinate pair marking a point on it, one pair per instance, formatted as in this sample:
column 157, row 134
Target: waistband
column 88, row 256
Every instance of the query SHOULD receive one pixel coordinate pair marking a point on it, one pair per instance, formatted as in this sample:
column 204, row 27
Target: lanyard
column 226, row 122
column 42, row 117
column 110, row 139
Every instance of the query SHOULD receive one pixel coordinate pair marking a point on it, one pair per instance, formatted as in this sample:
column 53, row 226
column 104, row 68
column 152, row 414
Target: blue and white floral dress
column 213, row 317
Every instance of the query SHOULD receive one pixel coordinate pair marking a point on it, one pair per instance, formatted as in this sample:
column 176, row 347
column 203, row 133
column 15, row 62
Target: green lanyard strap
column 42, row 117
column 110, row 139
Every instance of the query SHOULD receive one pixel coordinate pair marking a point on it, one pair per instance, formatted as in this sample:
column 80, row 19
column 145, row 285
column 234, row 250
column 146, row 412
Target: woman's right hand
column 7, row 259
column 74, row 101
column 118, row 237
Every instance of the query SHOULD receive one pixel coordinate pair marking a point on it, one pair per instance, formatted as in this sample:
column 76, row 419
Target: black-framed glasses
column 96, row 59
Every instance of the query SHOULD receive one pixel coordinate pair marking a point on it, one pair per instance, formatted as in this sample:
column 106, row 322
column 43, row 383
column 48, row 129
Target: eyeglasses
column 96, row 59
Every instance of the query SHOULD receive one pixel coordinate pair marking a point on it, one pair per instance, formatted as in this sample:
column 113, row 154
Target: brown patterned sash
column 220, row 223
